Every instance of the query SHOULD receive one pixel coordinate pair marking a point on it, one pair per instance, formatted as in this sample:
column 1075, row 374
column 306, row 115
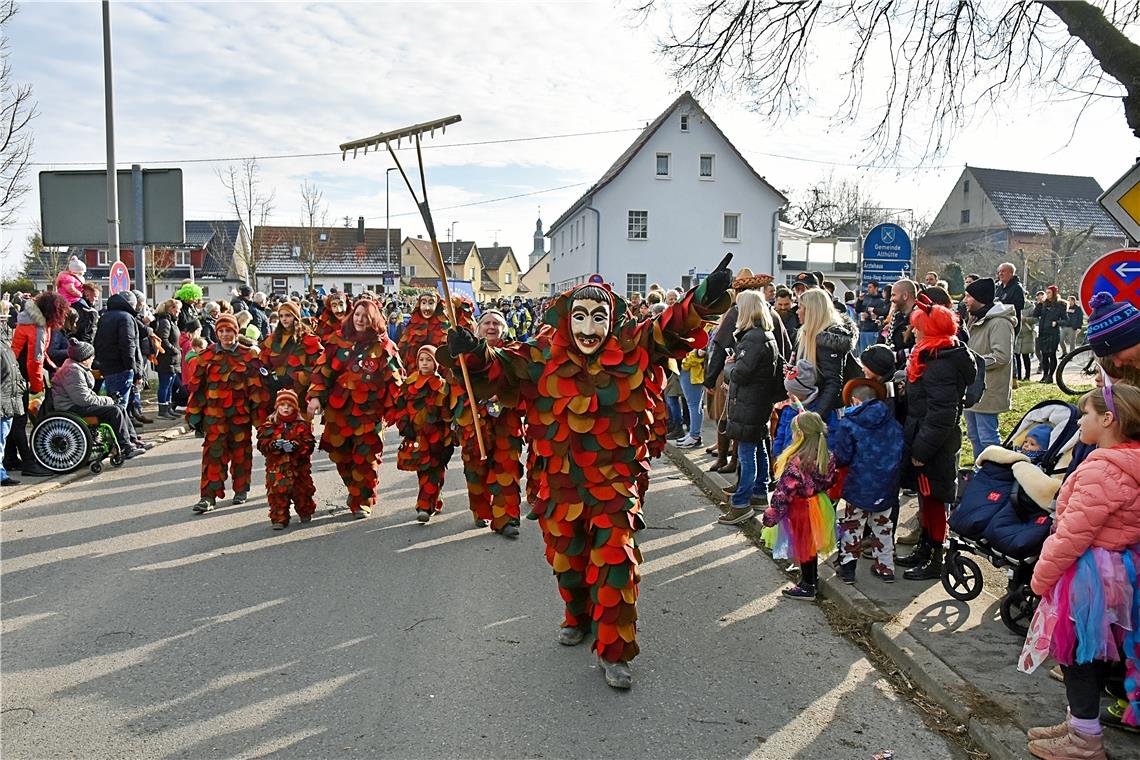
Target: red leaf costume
column 288, row 475
column 356, row 384
column 290, row 359
column 589, row 421
column 422, row 331
column 225, row 393
column 328, row 323
column 423, row 417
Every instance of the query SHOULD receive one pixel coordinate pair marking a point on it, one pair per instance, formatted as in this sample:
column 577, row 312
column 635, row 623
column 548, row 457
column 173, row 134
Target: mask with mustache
column 589, row 324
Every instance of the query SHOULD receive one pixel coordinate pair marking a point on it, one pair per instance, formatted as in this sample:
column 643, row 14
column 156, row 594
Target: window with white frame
column 663, row 164
column 182, row 258
column 684, row 122
column 638, row 226
column 101, row 258
column 634, row 283
column 708, row 161
column 574, row 235
column 507, row 275
column 731, row 228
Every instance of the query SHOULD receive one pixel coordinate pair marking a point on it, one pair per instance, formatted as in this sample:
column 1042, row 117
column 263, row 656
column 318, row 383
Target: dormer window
column 323, row 237
column 684, row 122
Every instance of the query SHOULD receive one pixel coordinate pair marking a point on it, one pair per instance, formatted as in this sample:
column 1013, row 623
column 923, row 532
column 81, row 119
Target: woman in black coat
column 1051, row 317
column 938, row 371
column 755, row 384
column 826, row 340
column 169, row 363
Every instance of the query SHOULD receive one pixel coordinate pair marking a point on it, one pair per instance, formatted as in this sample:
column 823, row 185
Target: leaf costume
column 356, row 384
column 290, row 359
column 423, row 417
column 589, row 420
column 422, row 331
column 328, row 323
column 225, row 393
column 288, row 475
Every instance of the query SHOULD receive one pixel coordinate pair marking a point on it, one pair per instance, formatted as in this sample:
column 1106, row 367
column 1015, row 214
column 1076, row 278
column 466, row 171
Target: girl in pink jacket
column 69, row 282
column 1089, row 614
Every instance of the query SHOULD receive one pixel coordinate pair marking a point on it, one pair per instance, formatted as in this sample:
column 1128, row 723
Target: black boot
column 929, row 570
column 721, row 452
column 921, row 554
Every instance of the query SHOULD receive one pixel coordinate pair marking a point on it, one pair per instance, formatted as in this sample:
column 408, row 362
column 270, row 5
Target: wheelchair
column 63, row 442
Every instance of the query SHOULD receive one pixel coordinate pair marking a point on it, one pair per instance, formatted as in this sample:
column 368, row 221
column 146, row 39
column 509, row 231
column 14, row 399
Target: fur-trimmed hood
column 31, row 314
column 841, row 338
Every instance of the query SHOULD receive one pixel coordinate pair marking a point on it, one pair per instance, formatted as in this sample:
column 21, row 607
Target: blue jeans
column 753, row 458
column 676, row 416
column 866, row 340
column 982, row 430
column 165, row 386
column 5, row 426
column 694, row 395
column 120, row 384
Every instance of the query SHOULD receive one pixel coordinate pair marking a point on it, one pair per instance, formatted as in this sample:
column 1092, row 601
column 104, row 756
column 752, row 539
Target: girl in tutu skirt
column 1087, row 578
column 801, row 521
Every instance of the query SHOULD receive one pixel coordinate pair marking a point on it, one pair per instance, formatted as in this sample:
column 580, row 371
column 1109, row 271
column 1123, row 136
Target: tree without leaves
column 1065, row 246
column 315, row 252
column 253, row 207
column 16, row 113
column 940, row 58
column 52, row 259
column 837, row 208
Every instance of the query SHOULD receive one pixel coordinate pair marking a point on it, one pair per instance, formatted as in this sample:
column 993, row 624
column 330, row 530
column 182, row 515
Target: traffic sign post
column 120, row 279
column 887, row 254
column 1122, row 202
column 1116, row 273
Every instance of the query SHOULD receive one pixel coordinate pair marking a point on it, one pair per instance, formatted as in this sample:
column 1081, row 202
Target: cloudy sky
column 196, row 82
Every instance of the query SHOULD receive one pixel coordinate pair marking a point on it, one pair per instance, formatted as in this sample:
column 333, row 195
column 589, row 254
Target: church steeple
column 539, row 249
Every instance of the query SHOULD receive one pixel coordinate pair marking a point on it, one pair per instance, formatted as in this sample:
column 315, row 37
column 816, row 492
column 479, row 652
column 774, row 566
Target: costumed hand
column 771, row 517
column 460, row 340
column 313, row 407
column 278, row 445
column 287, row 447
column 719, row 281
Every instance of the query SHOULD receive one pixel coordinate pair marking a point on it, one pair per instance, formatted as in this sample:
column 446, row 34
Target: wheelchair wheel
column 61, row 443
column 961, row 577
column 1017, row 608
column 96, row 468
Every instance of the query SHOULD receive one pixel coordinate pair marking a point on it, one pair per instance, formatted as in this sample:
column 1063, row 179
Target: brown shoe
column 735, row 515
column 1049, row 732
column 1071, row 745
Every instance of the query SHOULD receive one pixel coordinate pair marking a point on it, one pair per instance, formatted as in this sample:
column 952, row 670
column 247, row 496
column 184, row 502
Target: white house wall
column 686, row 215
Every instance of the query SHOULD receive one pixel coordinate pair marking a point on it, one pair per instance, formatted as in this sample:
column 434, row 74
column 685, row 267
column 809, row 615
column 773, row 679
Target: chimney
column 360, row 229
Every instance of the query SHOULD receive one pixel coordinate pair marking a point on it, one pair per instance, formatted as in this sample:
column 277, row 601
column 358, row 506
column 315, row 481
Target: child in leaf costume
column 225, row 394
column 492, row 483
column 427, row 326
column 290, row 354
column 356, row 383
column 331, row 317
column 286, row 440
column 586, row 387
column 423, row 417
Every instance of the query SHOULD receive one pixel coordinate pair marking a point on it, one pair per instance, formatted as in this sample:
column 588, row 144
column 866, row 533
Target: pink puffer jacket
column 1099, row 505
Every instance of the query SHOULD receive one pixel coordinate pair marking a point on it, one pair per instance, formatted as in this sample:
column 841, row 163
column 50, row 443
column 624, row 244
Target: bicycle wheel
column 1077, row 371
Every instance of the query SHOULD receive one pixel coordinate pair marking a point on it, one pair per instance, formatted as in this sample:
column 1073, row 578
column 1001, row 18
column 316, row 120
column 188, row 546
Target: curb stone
column 933, row 675
column 46, row 485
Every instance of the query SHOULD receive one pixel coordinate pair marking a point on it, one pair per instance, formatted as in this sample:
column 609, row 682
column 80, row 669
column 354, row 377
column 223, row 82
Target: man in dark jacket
column 872, row 308
column 87, row 309
column 117, row 346
column 1009, row 290
column 243, row 301
column 904, row 295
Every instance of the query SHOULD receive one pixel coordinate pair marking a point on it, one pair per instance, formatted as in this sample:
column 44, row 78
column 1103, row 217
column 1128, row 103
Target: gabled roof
column 341, row 253
column 686, row 98
column 454, row 254
column 494, row 256
column 488, row 285
column 1025, row 199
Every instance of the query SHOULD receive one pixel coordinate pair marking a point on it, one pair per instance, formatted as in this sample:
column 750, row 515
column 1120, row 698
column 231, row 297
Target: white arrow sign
column 1124, row 268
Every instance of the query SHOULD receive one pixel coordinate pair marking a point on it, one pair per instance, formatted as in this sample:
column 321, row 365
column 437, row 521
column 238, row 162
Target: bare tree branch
column 252, row 206
column 17, row 109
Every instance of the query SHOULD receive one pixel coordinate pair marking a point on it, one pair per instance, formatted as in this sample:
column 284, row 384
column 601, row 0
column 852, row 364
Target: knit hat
column 1052, row 288
column 286, row 396
column 226, row 320
column 428, row 348
column 292, row 308
column 879, row 359
column 79, row 351
column 191, row 326
column 982, row 290
column 77, row 266
column 1113, row 325
column 1040, row 434
column 801, row 383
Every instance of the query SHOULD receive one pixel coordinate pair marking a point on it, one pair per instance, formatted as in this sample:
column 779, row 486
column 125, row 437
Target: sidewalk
column 959, row 653
column 29, row 488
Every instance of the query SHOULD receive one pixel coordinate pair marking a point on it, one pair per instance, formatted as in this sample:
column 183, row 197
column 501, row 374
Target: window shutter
column 198, row 258
column 128, row 257
column 91, row 257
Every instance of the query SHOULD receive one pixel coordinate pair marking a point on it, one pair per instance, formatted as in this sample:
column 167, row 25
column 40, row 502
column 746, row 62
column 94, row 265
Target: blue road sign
column 887, row 254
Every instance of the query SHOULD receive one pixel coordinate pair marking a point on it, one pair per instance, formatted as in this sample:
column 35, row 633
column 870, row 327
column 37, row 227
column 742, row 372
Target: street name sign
column 1116, row 272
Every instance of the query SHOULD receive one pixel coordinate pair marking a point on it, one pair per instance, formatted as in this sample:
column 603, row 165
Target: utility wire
column 488, row 200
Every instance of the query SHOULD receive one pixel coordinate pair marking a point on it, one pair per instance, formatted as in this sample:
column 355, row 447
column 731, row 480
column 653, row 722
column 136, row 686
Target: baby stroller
column 1004, row 512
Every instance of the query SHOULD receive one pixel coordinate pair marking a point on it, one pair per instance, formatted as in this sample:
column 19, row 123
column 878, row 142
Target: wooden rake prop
column 412, row 134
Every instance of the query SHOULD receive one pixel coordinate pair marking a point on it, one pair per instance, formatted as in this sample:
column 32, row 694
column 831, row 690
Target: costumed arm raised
column 679, row 329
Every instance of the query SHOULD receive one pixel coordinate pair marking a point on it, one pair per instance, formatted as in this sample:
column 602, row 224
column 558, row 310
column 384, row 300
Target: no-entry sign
column 1116, row 272
column 120, row 278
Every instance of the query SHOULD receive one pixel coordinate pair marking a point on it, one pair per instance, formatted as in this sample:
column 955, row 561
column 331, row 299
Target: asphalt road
column 132, row 628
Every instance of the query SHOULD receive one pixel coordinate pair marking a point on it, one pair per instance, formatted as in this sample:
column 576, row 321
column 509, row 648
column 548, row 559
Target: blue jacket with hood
column 869, row 441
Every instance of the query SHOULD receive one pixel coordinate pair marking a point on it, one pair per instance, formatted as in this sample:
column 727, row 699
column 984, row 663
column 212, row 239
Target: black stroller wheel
column 1017, row 608
column 961, row 577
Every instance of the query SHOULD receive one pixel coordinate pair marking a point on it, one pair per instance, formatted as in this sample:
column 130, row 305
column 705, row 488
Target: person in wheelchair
column 73, row 390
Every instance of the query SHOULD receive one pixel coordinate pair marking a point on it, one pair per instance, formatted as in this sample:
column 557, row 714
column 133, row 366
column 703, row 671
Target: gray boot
column 165, row 413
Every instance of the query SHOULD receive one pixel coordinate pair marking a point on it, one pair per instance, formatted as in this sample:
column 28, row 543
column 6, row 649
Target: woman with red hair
column 356, row 383
column 937, row 373
column 37, row 320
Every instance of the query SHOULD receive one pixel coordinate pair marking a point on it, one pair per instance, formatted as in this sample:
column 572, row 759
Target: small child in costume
column 801, row 387
column 801, row 520
column 286, row 440
column 1036, row 442
column 197, row 346
column 868, row 441
column 1088, row 618
column 69, row 282
column 424, row 418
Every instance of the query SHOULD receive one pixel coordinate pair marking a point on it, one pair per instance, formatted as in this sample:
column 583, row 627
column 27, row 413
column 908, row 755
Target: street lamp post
column 388, row 223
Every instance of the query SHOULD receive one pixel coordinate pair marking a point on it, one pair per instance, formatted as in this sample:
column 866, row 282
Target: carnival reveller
column 286, row 440
column 332, row 317
column 427, row 326
column 585, row 385
column 356, row 383
column 492, row 483
column 423, row 417
column 225, row 392
column 291, row 353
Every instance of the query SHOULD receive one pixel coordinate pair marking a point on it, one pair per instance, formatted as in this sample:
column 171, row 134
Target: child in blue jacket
column 868, row 440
